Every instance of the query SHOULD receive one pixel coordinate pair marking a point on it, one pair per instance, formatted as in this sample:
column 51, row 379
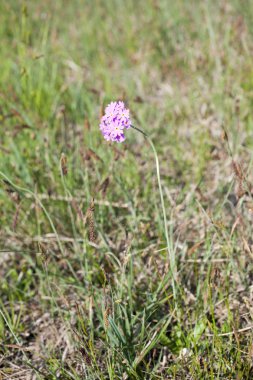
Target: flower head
column 114, row 121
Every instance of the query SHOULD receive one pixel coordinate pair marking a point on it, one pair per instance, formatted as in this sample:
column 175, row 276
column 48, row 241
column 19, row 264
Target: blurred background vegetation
column 185, row 70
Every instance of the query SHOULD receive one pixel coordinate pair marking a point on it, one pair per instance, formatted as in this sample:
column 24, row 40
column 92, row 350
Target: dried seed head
column 240, row 177
column 90, row 155
column 237, row 170
column 107, row 312
column 90, row 217
column 44, row 255
column 92, row 205
column 64, row 166
column 107, row 309
column 104, row 186
column 240, row 192
column 215, row 277
column 85, row 356
column 224, row 136
column 237, row 105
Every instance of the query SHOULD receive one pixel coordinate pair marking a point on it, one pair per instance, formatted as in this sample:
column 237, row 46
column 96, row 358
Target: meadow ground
column 86, row 289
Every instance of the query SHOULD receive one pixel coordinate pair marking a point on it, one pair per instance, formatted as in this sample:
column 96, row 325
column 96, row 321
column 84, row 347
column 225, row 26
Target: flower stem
column 171, row 253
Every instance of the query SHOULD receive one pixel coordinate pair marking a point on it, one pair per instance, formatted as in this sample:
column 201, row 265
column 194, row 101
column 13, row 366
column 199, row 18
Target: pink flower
column 114, row 121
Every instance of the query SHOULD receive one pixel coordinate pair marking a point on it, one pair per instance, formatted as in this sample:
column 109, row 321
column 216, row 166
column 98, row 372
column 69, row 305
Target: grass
column 88, row 295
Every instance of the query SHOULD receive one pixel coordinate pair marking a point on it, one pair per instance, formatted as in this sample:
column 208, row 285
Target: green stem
column 171, row 254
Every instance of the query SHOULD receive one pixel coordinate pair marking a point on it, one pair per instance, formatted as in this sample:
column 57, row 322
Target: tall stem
column 171, row 254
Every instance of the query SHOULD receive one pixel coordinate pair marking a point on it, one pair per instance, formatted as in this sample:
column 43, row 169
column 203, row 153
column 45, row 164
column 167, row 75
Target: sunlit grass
column 75, row 309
